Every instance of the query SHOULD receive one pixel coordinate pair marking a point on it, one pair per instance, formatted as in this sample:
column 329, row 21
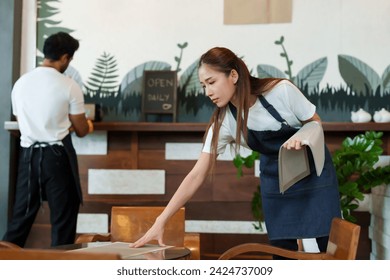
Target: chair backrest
column 343, row 239
column 342, row 245
column 129, row 223
column 8, row 245
column 46, row 254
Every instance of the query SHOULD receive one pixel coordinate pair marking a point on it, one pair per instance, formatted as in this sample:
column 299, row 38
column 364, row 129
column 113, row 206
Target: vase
column 360, row 116
column 382, row 116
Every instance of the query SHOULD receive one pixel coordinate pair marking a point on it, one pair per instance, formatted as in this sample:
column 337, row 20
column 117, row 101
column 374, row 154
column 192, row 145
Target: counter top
column 194, row 127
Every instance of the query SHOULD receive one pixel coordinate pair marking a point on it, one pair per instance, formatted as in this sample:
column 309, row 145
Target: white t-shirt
column 42, row 101
column 288, row 101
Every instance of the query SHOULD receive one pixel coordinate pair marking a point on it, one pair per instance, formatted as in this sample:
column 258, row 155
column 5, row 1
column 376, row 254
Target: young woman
column 271, row 110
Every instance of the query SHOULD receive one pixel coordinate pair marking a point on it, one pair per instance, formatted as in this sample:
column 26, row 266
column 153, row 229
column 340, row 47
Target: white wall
column 29, row 27
column 136, row 31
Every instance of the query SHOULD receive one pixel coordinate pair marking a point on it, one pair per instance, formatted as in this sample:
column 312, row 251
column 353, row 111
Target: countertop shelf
column 349, row 126
column 150, row 126
column 200, row 127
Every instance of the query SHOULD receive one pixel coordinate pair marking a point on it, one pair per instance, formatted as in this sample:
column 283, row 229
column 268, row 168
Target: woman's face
column 218, row 87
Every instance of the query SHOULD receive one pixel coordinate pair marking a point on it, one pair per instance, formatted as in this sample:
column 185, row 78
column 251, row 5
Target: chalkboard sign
column 159, row 93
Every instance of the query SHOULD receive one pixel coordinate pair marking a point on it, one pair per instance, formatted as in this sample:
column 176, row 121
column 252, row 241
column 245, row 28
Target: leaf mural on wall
column 308, row 78
column 360, row 77
column 101, row 87
column 335, row 104
column 284, row 54
column 102, row 82
column 312, row 74
column 267, row 71
column 179, row 58
column 45, row 25
column 194, row 105
column 386, row 80
column 189, row 82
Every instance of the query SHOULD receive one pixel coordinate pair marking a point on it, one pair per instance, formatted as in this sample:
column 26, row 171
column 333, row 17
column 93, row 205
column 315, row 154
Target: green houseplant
column 256, row 204
column 355, row 164
column 357, row 173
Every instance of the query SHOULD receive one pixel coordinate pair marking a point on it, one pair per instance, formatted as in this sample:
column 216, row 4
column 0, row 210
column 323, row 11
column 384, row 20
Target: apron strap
column 266, row 105
column 271, row 110
column 233, row 110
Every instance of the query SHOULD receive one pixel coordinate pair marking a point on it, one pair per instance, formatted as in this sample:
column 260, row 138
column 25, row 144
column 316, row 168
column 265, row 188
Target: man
column 48, row 105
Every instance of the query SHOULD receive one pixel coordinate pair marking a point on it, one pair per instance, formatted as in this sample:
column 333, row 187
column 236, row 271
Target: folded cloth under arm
column 293, row 164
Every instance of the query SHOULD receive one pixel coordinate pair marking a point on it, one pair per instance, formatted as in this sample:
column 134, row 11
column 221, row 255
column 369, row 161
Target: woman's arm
column 315, row 117
column 186, row 190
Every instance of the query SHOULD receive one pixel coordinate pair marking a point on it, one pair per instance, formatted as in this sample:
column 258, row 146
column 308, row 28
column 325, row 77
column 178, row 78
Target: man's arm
column 81, row 125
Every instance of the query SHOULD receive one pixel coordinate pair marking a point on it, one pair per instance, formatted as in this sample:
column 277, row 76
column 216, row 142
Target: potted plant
column 357, row 173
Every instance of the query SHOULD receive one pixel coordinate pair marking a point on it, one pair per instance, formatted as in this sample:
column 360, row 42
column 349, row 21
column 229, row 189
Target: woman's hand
column 186, row 190
column 293, row 144
column 156, row 232
column 296, row 144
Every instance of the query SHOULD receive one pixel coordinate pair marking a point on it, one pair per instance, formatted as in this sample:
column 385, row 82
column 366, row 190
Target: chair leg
column 192, row 242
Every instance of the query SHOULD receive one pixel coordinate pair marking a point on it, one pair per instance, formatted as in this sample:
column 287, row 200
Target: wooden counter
column 152, row 126
column 335, row 132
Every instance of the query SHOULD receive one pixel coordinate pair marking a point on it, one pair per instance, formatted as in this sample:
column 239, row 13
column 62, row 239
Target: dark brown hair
column 224, row 60
column 59, row 44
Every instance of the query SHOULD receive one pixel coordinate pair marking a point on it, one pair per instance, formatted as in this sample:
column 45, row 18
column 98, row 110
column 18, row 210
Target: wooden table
column 148, row 252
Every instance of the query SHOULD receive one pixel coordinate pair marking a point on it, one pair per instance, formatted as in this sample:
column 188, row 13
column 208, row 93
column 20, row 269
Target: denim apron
column 307, row 208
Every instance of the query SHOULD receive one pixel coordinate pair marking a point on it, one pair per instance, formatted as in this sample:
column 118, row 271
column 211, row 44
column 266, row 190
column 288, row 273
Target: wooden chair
column 8, row 245
column 342, row 245
column 46, row 254
column 129, row 223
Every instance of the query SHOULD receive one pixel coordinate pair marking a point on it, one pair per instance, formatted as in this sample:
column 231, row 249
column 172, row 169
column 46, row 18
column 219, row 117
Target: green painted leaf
column 312, row 74
column 386, row 80
column 362, row 79
column 182, row 46
column 267, row 71
column 280, row 41
column 93, row 79
column 101, row 81
column 51, row 22
column 46, row 25
column 189, row 82
column 45, row 9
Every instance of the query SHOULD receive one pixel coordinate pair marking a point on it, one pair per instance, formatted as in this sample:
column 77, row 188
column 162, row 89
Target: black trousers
column 292, row 244
column 44, row 172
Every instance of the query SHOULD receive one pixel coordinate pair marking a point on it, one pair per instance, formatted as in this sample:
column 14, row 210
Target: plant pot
column 379, row 230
